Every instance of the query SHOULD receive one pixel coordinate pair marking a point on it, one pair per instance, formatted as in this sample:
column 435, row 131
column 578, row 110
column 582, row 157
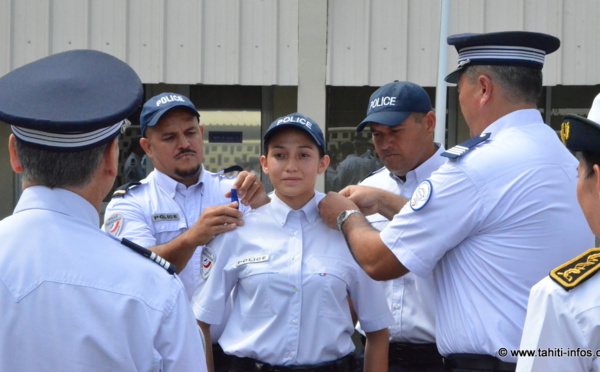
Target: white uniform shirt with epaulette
column 490, row 225
column 293, row 276
column 75, row 299
column 160, row 209
column 411, row 298
column 562, row 326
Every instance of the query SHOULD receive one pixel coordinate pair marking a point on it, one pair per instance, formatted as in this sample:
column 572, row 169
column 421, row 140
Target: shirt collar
column 424, row 170
column 281, row 211
column 513, row 119
column 58, row 200
column 170, row 185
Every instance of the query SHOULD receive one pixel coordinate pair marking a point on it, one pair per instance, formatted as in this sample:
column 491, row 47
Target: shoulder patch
column 122, row 190
column 463, row 148
column 421, row 195
column 208, row 260
column 569, row 275
column 114, row 224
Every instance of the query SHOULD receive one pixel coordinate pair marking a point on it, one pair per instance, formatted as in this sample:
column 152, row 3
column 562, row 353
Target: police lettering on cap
column 298, row 121
column 392, row 103
column 70, row 100
column 511, row 48
column 159, row 105
column 581, row 134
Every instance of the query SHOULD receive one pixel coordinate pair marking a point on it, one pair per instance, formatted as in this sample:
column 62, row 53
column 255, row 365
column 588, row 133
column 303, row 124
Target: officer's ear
column 597, row 175
column 15, row 163
column 111, row 157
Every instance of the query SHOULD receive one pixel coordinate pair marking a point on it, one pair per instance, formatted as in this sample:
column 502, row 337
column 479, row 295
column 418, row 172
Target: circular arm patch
column 421, row 195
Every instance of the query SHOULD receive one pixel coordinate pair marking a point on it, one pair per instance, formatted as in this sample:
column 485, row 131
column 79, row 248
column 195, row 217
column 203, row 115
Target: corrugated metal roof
column 255, row 42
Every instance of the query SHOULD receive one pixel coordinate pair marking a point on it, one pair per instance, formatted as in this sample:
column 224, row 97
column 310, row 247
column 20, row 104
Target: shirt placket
column 295, row 242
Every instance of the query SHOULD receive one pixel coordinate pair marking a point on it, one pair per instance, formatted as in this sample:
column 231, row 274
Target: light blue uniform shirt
column 411, row 298
column 74, row 299
column 293, row 276
column 499, row 218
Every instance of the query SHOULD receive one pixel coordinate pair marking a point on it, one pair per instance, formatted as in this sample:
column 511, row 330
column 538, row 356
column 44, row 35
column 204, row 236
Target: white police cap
column 70, row 100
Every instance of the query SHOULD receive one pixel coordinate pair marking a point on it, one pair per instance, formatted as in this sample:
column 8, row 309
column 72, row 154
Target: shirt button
column 295, row 258
column 295, row 289
column 294, row 322
column 290, row 355
column 295, row 232
column 396, row 306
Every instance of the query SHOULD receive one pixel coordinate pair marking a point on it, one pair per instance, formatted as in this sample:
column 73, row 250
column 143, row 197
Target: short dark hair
column 58, row 168
column 521, row 84
column 591, row 159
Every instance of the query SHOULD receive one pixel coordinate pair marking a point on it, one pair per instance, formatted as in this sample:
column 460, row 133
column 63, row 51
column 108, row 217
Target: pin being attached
column 234, row 197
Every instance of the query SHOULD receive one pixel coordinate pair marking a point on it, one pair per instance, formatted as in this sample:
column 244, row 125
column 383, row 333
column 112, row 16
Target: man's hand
column 331, row 206
column 250, row 190
column 213, row 221
column 371, row 200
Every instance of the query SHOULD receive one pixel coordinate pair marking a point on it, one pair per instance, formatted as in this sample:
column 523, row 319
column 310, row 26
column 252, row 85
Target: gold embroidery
column 565, row 131
column 571, row 274
column 591, row 260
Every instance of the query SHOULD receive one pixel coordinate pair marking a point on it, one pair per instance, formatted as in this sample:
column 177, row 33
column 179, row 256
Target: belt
column 345, row 364
column 407, row 355
column 480, row 362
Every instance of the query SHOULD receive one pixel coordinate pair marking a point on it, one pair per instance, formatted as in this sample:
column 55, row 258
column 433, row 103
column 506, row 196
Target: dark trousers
column 476, row 363
column 220, row 359
column 405, row 357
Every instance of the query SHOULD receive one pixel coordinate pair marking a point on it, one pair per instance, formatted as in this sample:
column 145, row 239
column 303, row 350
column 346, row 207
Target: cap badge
column 565, row 131
column 421, row 195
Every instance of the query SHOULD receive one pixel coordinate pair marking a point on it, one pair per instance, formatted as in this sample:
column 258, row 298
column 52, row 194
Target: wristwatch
column 344, row 216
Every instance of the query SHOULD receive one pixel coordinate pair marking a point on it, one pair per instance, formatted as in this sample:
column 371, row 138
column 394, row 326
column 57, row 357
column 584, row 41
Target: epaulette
column 373, row 173
column 171, row 269
column 464, row 147
column 122, row 190
column 569, row 275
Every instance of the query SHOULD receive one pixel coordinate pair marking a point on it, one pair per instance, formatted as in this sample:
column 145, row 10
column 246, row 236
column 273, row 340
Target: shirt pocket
column 255, row 292
column 165, row 231
column 329, row 278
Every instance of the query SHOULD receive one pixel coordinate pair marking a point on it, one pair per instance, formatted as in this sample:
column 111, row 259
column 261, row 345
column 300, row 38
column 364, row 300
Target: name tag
column 252, row 260
column 165, row 217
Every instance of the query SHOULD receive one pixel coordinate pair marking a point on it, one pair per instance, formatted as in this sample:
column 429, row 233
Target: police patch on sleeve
column 208, row 260
column 421, row 195
column 114, row 224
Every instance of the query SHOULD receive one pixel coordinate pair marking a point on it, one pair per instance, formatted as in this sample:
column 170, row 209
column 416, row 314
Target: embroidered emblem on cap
column 578, row 270
column 250, row 260
column 565, row 131
column 114, row 224
column 421, row 195
column 208, row 260
column 464, row 147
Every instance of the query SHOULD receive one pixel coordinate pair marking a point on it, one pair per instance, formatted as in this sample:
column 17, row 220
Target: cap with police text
column 392, row 103
column 510, row 48
column 297, row 120
column 70, row 100
column 581, row 134
column 158, row 105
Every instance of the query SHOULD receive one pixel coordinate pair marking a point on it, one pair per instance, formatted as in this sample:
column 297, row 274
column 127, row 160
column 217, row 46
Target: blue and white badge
column 208, row 261
column 114, row 224
column 421, row 195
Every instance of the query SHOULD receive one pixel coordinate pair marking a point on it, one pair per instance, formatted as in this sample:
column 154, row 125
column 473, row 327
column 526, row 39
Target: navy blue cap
column 581, row 134
column 297, row 120
column 510, row 48
column 69, row 100
column 158, row 105
column 392, row 103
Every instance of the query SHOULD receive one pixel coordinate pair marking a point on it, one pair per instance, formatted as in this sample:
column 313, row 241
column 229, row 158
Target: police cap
column 298, row 121
column 581, row 134
column 392, row 103
column 510, row 48
column 70, row 100
column 159, row 105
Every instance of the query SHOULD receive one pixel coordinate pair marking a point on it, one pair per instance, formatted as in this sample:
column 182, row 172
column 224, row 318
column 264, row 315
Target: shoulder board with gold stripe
column 122, row 190
column 569, row 275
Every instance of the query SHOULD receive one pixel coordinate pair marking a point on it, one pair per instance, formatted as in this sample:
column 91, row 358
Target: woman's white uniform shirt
column 293, row 276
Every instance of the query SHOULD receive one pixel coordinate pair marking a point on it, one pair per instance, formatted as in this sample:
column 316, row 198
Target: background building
column 245, row 62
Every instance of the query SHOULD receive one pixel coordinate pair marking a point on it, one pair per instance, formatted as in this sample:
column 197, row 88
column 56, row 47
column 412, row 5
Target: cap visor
column 454, row 76
column 389, row 118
